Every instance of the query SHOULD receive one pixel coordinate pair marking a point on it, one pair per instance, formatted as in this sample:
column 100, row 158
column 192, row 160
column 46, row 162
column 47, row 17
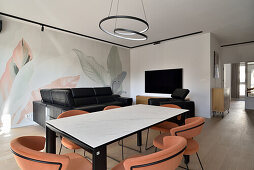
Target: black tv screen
column 163, row 81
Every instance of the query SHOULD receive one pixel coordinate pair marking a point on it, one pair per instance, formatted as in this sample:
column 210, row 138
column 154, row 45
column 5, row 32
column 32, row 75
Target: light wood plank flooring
column 225, row 144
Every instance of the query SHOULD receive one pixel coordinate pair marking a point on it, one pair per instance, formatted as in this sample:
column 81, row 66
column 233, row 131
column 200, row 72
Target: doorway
column 239, row 77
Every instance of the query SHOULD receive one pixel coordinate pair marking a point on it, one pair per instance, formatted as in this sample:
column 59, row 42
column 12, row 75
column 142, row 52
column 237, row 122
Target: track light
column 42, row 28
column 157, row 42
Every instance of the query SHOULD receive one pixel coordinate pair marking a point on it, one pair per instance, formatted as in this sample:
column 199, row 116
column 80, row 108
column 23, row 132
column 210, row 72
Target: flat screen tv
column 163, row 81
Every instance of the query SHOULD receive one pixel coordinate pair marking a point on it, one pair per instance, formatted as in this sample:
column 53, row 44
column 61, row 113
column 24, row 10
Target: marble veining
column 98, row 128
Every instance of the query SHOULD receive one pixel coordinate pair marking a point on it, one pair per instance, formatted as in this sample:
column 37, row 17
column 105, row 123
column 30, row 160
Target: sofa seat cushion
column 117, row 103
column 85, row 101
column 91, row 108
column 105, row 99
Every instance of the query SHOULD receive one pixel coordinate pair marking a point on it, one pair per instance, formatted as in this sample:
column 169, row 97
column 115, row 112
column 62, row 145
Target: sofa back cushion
column 46, row 95
column 78, row 96
column 105, row 99
column 103, row 91
column 62, row 97
column 82, row 92
column 180, row 93
column 83, row 96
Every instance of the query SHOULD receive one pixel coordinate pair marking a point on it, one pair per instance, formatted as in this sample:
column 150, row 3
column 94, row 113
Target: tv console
column 144, row 99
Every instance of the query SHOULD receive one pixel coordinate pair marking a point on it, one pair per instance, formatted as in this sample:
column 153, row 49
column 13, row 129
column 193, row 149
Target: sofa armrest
column 39, row 112
column 125, row 100
column 53, row 111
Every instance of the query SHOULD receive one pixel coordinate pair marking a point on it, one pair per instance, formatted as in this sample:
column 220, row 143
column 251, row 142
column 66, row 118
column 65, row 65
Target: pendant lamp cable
column 110, row 7
column 144, row 10
column 116, row 12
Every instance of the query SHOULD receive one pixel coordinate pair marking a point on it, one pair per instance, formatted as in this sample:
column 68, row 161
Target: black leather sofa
column 177, row 98
column 56, row 101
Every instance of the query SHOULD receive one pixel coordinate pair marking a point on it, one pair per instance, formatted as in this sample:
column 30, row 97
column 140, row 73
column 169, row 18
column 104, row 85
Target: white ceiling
column 230, row 20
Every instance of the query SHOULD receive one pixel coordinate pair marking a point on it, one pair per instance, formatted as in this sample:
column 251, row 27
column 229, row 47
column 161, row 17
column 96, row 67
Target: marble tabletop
column 99, row 128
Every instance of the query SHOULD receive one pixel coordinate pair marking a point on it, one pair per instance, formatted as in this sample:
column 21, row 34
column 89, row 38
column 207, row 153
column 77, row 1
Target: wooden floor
column 225, row 144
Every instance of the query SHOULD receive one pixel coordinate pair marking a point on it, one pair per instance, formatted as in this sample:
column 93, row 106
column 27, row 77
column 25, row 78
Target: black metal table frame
column 99, row 154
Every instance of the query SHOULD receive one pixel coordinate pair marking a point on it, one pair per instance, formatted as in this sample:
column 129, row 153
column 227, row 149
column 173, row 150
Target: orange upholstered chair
column 191, row 129
column 67, row 143
column 111, row 107
column 173, row 106
column 164, row 126
column 167, row 159
column 27, row 153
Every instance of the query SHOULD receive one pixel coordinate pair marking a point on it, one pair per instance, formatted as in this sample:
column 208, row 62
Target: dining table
column 94, row 131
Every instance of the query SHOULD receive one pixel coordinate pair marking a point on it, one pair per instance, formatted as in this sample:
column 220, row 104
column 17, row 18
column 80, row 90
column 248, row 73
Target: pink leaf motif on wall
column 64, row 82
column 21, row 55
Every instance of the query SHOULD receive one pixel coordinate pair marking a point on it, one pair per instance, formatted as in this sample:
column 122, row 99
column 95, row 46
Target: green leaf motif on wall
column 114, row 76
column 92, row 68
column 114, row 63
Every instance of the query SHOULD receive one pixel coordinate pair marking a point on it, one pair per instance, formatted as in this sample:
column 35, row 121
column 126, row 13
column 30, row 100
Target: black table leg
column 100, row 158
column 50, row 141
column 139, row 138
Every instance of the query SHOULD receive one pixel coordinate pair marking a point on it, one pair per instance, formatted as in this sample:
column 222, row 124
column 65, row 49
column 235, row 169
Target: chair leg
column 187, row 166
column 60, row 148
column 186, row 159
column 130, row 147
column 184, row 167
column 147, row 136
column 74, row 151
column 199, row 161
column 155, row 149
column 122, row 151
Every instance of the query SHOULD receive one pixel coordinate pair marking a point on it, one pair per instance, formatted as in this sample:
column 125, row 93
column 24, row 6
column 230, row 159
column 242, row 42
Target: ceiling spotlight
column 42, row 28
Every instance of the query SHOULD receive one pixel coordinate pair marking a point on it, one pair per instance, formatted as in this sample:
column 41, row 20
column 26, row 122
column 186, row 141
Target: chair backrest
column 167, row 159
column 71, row 113
column 173, row 106
column 111, row 107
column 192, row 128
column 27, row 154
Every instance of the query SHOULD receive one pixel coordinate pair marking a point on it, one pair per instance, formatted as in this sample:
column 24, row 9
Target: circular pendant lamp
column 125, row 33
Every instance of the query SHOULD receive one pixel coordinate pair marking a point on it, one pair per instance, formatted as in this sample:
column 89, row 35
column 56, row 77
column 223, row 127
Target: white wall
column 215, row 46
column 227, row 75
column 237, row 54
column 190, row 53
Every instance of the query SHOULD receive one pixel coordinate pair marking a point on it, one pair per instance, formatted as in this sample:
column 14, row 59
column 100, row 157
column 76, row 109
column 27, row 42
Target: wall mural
column 113, row 76
column 16, row 100
column 20, row 57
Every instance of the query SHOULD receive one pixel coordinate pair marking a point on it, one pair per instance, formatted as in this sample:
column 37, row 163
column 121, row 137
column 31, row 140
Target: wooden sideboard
column 220, row 100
